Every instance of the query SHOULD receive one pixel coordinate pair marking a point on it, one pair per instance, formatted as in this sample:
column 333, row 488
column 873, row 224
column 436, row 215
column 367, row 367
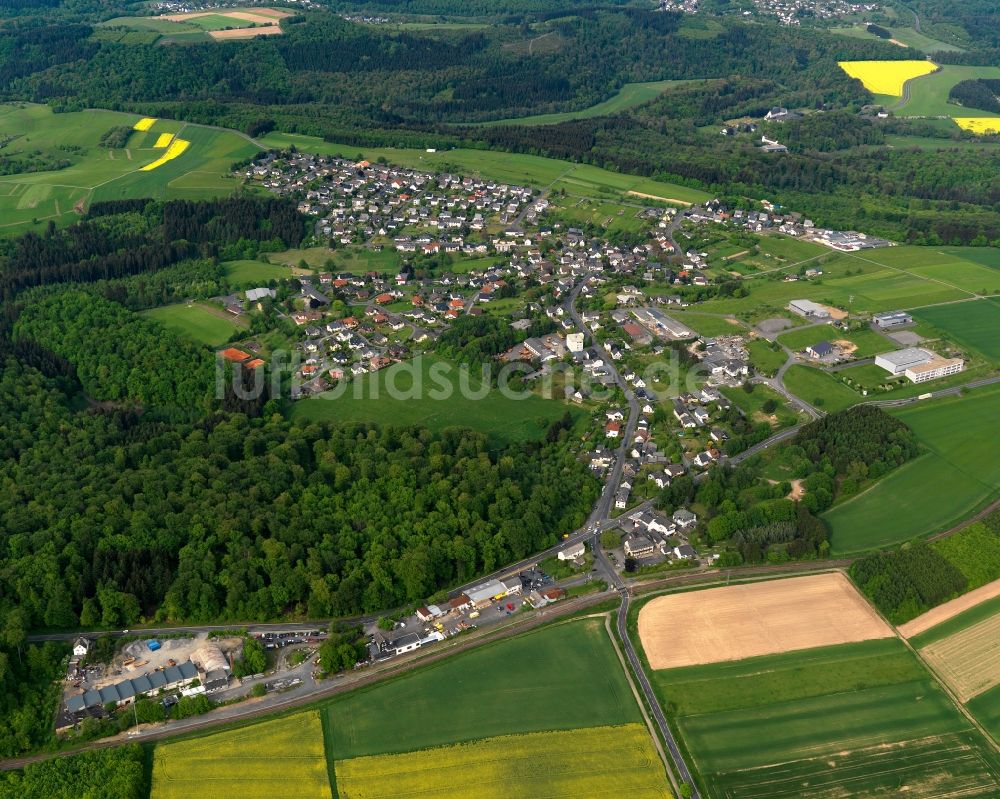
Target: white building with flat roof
column 898, row 361
column 932, row 370
column 809, row 309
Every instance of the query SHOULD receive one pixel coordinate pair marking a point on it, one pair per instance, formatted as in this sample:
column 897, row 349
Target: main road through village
column 310, row 690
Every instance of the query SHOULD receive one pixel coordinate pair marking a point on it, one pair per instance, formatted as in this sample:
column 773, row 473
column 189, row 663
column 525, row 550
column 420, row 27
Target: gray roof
column 142, row 685
column 92, row 698
column 156, row 679
column 172, row 674
column 75, row 704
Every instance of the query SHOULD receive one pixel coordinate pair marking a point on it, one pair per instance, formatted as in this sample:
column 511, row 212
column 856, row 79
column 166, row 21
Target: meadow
column 764, row 358
column 709, row 324
column 530, row 170
column 875, row 280
column 96, row 173
column 820, row 389
column 629, row 96
column 971, row 324
column 957, row 474
column 904, row 35
column 929, row 95
column 862, row 719
column 430, row 397
column 253, row 273
column 563, row 677
column 282, row 757
column 986, row 709
column 195, row 321
column 867, row 341
column 571, row 764
column 753, row 405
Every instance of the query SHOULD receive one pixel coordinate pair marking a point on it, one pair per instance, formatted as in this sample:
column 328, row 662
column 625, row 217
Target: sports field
column 195, row 321
column 854, row 720
column 572, row 764
column 428, row 392
column 201, row 170
column 958, row 473
column 530, row 170
column 973, row 324
column 753, row 619
column 560, row 678
column 629, row 96
column 283, row 757
column 886, row 77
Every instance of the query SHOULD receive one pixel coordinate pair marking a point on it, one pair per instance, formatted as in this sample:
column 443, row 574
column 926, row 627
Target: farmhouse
column 80, row 647
column 405, row 643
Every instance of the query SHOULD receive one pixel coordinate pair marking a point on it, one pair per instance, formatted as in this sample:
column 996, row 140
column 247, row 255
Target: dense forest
column 104, row 774
column 904, row 584
column 110, row 517
column 981, row 94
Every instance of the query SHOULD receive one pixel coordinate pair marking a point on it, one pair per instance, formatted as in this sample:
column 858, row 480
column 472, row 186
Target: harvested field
column 741, row 621
column 969, row 660
column 572, row 764
column 935, row 616
column 246, row 33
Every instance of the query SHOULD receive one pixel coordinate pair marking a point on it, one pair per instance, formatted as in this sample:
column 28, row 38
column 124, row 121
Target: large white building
column 939, row 367
column 898, row 361
column 919, row 365
column 809, row 309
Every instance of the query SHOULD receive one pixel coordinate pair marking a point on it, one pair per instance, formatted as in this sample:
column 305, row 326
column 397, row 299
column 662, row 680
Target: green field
column 908, row 36
column 958, row 473
column 253, row 273
column 709, row 324
column 876, row 280
column 367, row 400
column 764, row 359
column 986, row 709
column 560, row 678
column 929, row 94
column 532, row 170
column 280, row 757
column 820, row 389
column 971, row 324
column 867, row 341
column 95, row 173
column 629, row 96
column 853, row 720
column 752, row 405
column 195, row 321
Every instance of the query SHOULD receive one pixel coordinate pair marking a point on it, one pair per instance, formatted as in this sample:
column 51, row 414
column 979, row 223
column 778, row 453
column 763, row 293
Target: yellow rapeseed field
column 574, row 764
column 163, row 140
column 887, row 77
column 979, row 125
column 279, row 758
column 177, row 146
column 144, row 124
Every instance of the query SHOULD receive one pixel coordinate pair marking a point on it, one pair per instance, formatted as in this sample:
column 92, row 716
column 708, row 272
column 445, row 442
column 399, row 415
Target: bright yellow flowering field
column 979, row 125
column 177, row 146
column 144, row 124
column 887, row 77
column 574, row 764
column 163, row 140
column 279, row 758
